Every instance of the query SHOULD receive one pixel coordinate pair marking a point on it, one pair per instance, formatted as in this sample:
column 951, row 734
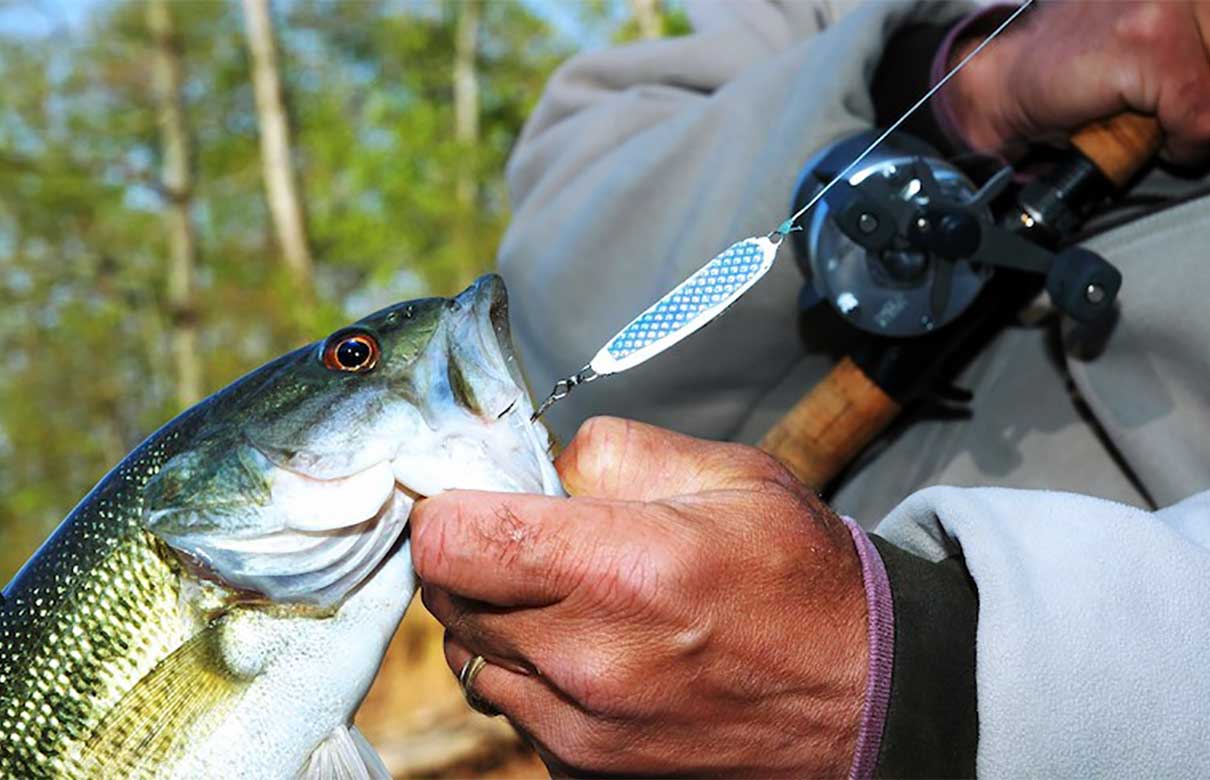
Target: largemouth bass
column 219, row 604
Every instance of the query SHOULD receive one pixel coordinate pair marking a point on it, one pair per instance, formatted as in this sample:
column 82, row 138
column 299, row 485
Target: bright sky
column 38, row 18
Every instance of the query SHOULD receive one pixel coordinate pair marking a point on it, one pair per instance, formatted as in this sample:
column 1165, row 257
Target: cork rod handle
column 828, row 426
column 1120, row 146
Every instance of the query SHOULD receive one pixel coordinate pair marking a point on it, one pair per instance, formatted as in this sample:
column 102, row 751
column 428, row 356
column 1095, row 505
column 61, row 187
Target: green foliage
column 673, row 20
column 83, row 246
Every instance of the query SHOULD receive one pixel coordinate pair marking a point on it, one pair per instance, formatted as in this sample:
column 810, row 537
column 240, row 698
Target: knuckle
column 602, row 688
column 764, row 468
column 593, row 452
column 598, row 680
column 1143, row 24
column 595, row 429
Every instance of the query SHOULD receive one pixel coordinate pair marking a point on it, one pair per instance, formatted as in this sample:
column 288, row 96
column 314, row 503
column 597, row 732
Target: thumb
column 622, row 459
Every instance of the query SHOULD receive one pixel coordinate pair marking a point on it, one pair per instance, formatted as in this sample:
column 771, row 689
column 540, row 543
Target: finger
column 508, row 549
column 525, row 699
column 1184, row 101
column 503, row 636
column 506, row 684
column 570, row 740
column 611, row 457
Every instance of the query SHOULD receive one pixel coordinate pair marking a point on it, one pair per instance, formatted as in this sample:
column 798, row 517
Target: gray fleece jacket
column 1093, row 570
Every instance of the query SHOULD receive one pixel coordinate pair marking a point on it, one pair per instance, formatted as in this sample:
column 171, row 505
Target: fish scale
column 93, row 613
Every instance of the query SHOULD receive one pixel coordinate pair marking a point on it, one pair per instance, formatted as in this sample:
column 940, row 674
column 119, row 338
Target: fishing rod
column 713, row 288
column 952, row 268
column 868, row 389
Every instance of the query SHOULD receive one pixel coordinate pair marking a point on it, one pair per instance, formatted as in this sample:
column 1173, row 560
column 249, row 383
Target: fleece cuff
column 932, row 725
column 881, row 624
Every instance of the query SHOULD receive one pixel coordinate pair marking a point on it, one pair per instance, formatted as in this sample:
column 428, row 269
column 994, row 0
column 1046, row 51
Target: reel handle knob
column 1082, row 284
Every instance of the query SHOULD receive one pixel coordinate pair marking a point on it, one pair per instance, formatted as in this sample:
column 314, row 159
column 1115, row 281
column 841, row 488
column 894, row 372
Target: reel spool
column 878, row 280
column 906, row 244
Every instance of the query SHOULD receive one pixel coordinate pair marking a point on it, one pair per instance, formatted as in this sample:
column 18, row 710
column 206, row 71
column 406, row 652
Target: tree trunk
column 647, row 17
column 466, row 93
column 285, row 205
column 177, row 186
column 466, row 126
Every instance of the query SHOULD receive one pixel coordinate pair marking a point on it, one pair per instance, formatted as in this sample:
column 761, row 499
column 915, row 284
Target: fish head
column 293, row 483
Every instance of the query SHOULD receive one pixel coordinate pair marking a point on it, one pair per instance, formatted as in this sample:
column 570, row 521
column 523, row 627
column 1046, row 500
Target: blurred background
column 189, row 188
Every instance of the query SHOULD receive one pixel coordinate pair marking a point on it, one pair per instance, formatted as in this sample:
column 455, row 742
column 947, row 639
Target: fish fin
column 344, row 755
column 187, row 693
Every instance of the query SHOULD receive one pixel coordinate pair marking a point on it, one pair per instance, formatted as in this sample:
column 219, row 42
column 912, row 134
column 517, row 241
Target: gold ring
column 466, row 679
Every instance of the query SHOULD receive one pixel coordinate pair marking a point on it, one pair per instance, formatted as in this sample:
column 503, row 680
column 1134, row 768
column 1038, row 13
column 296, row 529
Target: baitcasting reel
column 907, row 243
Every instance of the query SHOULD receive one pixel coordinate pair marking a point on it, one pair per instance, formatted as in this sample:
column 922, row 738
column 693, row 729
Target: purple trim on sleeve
column 882, row 651
column 943, row 109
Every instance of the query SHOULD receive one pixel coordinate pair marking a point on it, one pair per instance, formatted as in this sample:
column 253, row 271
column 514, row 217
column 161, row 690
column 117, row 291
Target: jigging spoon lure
column 710, row 290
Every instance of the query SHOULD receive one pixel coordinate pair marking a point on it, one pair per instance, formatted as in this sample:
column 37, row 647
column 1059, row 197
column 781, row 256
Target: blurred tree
column 177, row 190
column 276, row 160
column 466, row 125
column 381, row 153
column 466, row 94
column 395, row 119
column 648, row 18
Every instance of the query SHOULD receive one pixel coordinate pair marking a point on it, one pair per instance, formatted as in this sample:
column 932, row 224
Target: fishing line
column 710, row 290
column 788, row 225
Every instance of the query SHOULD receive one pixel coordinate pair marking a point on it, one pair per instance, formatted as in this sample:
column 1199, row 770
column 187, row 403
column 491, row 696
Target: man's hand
column 692, row 609
column 1073, row 62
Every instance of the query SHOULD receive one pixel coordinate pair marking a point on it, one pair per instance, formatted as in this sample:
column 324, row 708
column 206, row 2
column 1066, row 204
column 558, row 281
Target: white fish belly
column 314, row 674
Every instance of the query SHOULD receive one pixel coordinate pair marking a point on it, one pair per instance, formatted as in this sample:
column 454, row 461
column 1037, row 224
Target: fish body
column 220, row 602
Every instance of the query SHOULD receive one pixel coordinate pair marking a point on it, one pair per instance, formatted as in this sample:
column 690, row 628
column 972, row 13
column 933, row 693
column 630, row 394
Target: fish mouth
column 318, row 539
column 499, row 432
column 488, row 301
column 328, row 520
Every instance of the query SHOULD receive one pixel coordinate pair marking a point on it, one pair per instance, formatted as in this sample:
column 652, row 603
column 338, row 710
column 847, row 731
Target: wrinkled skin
column 691, row 610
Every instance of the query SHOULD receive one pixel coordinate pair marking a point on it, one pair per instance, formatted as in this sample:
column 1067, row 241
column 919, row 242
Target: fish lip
column 485, row 305
column 399, row 484
column 489, row 302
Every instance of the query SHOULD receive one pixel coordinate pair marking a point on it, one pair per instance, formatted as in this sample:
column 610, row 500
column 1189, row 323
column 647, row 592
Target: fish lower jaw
column 512, row 472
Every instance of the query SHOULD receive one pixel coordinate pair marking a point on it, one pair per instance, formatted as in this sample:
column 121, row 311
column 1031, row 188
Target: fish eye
column 351, row 352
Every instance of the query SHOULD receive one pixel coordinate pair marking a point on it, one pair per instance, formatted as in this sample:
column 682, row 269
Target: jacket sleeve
column 640, row 163
column 1092, row 627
